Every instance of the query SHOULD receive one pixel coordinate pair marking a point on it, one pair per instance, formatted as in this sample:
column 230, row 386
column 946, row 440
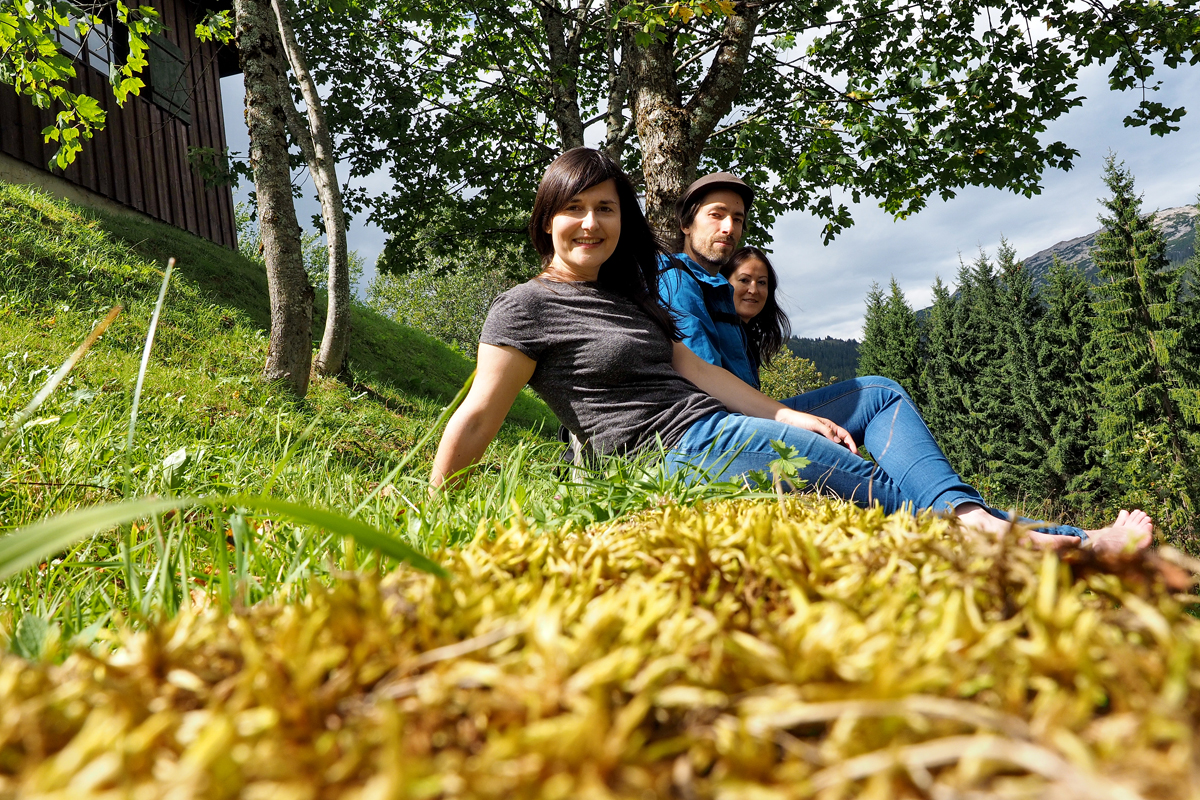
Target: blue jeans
column 909, row 470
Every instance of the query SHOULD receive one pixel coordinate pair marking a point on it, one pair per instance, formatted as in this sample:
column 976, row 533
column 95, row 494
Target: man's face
column 716, row 229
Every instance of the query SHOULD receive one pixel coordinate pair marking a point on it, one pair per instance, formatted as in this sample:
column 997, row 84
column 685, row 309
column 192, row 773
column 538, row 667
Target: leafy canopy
column 463, row 103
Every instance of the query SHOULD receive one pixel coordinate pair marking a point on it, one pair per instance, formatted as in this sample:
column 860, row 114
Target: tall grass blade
column 334, row 522
column 127, row 540
column 54, row 380
column 141, row 378
column 28, row 546
column 433, row 429
column 288, row 454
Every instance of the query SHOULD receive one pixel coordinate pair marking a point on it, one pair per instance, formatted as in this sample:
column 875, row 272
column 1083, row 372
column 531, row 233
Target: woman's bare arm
column 745, row 399
column 499, row 376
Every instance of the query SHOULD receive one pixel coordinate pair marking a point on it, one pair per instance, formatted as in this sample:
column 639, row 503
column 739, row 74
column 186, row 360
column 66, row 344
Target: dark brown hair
column 770, row 328
column 632, row 270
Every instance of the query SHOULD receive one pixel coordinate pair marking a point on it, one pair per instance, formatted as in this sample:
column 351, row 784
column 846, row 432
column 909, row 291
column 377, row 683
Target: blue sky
column 823, row 287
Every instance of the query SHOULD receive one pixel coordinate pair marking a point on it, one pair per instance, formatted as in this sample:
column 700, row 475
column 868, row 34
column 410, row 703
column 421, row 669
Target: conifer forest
column 1070, row 401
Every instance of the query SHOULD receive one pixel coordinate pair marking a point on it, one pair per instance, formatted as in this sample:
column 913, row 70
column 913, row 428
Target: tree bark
column 564, row 70
column 617, row 129
column 289, row 353
column 673, row 134
column 317, row 144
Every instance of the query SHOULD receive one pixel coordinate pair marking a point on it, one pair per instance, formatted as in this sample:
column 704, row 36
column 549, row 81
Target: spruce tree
column 980, row 357
column 891, row 339
column 961, row 347
column 1147, row 388
column 941, row 381
column 902, row 338
column 1190, row 305
column 1065, row 411
column 1018, row 448
column 871, row 353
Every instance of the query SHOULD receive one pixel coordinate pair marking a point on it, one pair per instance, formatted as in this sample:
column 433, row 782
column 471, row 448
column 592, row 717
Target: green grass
column 238, row 492
column 207, row 425
column 64, row 263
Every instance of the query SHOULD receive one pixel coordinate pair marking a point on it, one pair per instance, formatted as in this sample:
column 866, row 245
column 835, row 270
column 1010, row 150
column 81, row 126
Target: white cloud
column 825, row 287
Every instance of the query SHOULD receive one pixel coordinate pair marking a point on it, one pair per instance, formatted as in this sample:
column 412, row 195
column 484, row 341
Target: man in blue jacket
column 711, row 214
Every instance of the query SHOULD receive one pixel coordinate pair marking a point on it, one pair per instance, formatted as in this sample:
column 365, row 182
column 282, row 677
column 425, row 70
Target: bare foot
column 976, row 516
column 1132, row 531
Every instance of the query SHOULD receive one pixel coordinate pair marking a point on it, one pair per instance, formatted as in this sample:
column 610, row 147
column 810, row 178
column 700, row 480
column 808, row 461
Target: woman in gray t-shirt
column 591, row 337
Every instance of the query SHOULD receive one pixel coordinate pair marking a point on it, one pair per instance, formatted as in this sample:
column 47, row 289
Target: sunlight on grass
column 163, row 466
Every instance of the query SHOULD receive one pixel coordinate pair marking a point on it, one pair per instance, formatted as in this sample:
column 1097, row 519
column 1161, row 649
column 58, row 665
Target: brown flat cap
column 709, row 183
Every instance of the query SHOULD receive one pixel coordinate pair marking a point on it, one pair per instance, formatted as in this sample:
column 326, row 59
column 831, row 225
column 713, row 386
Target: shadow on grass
column 386, row 358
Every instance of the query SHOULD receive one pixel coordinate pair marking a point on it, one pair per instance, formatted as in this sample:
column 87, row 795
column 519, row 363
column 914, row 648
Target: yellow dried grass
column 812, row 650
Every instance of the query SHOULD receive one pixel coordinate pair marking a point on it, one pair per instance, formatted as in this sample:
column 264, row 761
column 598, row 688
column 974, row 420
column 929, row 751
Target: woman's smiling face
column 750, row 288
column 585, row 232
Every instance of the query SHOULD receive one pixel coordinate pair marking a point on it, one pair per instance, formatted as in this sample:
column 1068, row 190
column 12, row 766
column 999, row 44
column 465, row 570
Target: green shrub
column 450, row 305
column 789, row 375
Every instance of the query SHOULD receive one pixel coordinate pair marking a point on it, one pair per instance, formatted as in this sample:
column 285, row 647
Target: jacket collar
column 700, row 272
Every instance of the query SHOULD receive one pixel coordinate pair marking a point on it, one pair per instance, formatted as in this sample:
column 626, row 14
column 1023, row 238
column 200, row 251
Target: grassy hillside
column 207, row 424
column 54, row 254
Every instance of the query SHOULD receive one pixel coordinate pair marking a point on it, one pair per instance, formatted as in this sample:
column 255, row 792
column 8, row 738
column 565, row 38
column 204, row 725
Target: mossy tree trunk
column 289, row 353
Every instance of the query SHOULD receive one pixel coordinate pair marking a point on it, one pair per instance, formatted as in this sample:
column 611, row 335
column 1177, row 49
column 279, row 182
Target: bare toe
column 1132, row 531
column 1139, row 519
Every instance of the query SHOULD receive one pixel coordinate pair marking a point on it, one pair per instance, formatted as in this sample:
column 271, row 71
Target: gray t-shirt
column 603, row 366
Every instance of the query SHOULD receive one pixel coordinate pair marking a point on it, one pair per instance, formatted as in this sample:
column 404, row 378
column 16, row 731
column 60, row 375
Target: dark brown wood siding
column 140, row 158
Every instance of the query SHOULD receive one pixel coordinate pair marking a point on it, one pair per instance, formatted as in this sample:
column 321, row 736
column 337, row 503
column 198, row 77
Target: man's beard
column 705, row 257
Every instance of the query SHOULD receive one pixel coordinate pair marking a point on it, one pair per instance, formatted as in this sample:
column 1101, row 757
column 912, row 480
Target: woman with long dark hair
column 590, row 336
column 755, row 299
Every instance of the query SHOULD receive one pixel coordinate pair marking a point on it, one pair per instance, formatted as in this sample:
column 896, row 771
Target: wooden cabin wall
column 140, row 158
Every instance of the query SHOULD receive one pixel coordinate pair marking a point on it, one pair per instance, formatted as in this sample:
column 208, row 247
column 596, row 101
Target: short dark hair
column 686, row 214
column 770, row 328
column 632, row 270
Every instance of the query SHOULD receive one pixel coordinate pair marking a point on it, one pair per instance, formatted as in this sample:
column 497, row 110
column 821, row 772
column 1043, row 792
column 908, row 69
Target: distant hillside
column 1177, row 224
column 833, row 357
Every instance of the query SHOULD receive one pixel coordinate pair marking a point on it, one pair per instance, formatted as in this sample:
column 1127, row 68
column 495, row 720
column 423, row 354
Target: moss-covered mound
column 740, row 650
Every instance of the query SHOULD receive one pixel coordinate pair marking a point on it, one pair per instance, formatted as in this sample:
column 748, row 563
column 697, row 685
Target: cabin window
column 166, row 71
column 168, row 78
column 96, row 48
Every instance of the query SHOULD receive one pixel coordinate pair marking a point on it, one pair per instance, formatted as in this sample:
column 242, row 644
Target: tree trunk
column 617, row 129
column 317, row 144
column 289, row 353
column 564, row 70
column 673, row 134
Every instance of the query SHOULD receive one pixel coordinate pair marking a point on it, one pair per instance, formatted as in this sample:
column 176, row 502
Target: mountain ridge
column 1178, row 226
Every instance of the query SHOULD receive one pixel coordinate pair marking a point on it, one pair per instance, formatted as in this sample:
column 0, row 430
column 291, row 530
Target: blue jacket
column 721, row 341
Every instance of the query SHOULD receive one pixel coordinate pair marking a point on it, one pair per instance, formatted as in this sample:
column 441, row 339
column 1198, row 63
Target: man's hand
column 830, row 430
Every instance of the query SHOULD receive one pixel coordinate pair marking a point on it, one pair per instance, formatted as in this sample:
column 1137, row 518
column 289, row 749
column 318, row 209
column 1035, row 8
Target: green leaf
column 29, row 546
column 29, row 639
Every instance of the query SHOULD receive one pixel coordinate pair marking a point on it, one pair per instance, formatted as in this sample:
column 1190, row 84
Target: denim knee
column 880, row 382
